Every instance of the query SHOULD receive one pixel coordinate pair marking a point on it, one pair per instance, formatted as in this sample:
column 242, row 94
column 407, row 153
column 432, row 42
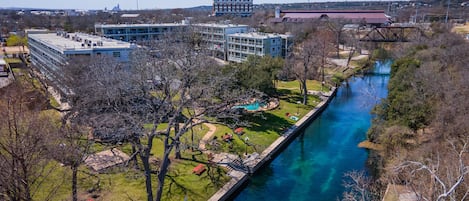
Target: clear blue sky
column 124, row 4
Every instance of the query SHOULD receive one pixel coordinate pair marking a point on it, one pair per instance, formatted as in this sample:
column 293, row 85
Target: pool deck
column 239, row 178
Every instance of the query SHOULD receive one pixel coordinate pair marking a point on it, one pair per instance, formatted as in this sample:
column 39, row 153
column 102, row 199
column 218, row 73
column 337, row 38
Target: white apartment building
column 242, row 8
column 241, row 45
column 215, row 36
column 50, row 52
column 137, row 32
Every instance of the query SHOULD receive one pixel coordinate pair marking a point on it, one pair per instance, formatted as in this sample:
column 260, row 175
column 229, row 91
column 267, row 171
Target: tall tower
column 242, row 8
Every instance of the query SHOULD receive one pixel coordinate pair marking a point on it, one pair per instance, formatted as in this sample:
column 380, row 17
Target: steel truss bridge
column 393, row 34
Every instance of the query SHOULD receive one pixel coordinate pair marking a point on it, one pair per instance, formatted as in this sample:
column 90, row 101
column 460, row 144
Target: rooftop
column 138, row 25
column 368, row 16
column 332, row 11
column 255, row 35
column 221, row 25
column 79, row 41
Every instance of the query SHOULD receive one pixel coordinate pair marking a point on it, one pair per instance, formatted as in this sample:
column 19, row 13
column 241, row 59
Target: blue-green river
column 312, row 166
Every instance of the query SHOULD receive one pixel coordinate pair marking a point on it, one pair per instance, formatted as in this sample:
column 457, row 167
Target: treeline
column 422, row 124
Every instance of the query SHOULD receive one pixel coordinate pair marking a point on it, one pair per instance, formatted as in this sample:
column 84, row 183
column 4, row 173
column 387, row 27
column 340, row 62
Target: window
column 116, row 54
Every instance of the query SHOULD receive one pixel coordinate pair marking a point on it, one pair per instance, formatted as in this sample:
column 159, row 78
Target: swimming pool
column 255, row 106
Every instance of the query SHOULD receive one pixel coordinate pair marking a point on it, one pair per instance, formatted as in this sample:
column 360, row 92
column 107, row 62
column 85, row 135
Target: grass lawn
column 13, row 60
column 265, row 127
column 126, row 183
column 359, row 63
column 295, row 85
column 122, row 183
column 30, row 83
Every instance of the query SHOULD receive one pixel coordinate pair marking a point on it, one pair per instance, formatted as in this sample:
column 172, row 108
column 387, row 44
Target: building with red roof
column 368, row 17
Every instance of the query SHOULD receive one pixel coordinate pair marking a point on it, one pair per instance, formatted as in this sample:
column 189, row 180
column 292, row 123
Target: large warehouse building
column 366, row 17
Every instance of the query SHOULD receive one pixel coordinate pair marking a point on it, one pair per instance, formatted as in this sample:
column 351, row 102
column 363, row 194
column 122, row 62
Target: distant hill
column 201, row 8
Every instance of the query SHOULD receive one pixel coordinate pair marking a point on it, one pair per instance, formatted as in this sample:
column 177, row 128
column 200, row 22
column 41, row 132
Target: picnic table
column 199, row 169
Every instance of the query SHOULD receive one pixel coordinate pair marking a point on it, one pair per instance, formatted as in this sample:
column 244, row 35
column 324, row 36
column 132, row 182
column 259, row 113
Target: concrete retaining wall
column 239, row 178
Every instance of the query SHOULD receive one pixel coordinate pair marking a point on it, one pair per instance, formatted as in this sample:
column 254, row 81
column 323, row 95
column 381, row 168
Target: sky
column 124, row 4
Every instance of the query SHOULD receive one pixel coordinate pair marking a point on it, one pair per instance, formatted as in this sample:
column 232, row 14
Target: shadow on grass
column 295, row 97
column 289, row 95
column 175, row 189
column 182, row 183
column 264, row 122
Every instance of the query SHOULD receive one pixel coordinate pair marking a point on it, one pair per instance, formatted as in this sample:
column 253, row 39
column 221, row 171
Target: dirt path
column 211, row 130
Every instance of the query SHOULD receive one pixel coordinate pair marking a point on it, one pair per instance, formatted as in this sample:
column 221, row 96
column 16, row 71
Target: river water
column 312, row 166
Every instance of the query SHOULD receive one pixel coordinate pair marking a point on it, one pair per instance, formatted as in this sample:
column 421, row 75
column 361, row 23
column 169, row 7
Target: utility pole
column 137, row 4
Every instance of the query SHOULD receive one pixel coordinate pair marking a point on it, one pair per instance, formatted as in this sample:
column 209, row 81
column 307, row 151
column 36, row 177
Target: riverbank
column 254, row 163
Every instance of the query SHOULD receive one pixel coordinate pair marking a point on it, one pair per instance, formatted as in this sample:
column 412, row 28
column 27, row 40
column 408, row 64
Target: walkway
column 343, row 62
column 223, row 159
column 209, row 135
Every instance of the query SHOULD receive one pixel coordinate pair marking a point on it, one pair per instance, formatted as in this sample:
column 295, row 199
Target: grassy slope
column 125, row 183
column 266, row 127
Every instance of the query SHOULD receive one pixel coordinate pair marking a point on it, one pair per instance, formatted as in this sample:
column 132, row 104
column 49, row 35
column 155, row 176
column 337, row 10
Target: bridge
column 392, row 34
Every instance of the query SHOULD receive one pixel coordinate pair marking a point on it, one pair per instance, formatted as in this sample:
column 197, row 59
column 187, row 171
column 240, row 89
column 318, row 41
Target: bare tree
column 304, row 65
column 358, row 187
column 336, row 27
column 71, row 148
column 309, row 58
column 170, row 82
column 439, row 177
column 352, row 38
column 24, row 146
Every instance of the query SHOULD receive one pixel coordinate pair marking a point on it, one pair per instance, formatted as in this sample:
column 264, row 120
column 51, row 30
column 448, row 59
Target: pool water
column 312, row 167
column 256, row 105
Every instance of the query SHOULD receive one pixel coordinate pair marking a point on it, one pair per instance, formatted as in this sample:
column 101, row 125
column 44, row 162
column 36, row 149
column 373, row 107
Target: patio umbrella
column 239, row 131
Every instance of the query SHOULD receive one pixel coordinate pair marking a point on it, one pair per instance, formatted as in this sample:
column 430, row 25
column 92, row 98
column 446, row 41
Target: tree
column 71, row 149
column 25, row 138
column 309, row 58
column 180, row 86
column 304, row 61
column 259, row 73
column 440, row 176
column 358, row 187
column 351, row 40
column 336, row 26
column 15, row 40
column 426, row 110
